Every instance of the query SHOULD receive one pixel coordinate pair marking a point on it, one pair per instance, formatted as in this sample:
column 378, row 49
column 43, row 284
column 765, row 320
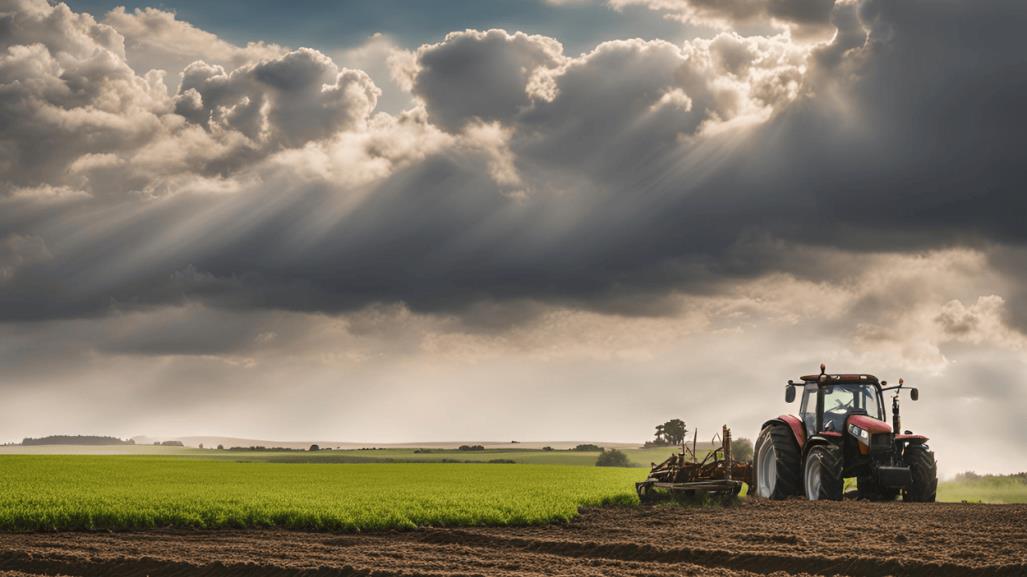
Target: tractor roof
column 843, row 378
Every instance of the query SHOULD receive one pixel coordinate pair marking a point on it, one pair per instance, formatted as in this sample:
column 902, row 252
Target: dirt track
column 793, row 538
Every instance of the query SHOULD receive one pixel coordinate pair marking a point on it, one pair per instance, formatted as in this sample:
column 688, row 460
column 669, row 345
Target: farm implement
column 841, row 432
column 684, row 475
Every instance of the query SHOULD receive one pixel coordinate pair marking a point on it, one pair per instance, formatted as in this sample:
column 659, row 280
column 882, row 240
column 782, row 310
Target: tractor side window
column 808, row 410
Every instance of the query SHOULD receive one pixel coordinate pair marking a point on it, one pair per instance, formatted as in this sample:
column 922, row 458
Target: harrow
column 685, row 475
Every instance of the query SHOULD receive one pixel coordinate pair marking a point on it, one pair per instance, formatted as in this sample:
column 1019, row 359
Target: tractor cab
column 827, row 403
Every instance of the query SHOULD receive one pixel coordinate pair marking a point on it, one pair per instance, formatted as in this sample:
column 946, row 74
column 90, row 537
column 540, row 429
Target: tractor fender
column 793, row 423
column 911, row 439
column 824, row 438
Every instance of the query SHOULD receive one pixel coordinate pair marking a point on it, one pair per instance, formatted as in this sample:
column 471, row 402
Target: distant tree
column 221, row 447
column 172, row 444
column 588, row 447
column 314, row 448
column 674, row 431
column 741, row 449
column 547, row 448
column 660, row 439
column 471, row 448
column 201, row 445
column 612, row 458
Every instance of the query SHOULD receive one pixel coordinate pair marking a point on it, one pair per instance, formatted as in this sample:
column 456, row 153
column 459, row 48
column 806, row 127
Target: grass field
column 216, row 489
column 984, row 490
column 100, row 492
column 638, row 457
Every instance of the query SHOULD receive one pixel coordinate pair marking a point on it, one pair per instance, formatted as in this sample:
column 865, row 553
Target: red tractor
column 842, row 432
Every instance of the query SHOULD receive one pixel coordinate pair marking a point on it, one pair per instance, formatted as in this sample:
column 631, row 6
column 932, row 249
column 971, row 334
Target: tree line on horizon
column 76, row 440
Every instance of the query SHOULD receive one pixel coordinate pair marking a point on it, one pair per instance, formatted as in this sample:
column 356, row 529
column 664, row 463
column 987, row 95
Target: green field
column 337, row 490
column 638, row 457
column 984, row 490
column 126, row 492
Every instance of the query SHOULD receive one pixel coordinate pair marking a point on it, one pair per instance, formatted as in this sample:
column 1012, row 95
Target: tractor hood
column 869, row 424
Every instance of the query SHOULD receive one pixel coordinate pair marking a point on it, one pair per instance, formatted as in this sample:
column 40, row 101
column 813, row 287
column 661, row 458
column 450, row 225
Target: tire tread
column 830, row 461
column 924, row 470
column 788, row 460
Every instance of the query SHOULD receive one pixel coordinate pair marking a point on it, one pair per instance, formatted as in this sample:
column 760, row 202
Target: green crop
column 103, row 492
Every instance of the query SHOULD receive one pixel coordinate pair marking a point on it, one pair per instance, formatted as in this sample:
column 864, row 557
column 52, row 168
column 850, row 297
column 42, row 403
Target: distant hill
column 75, row 440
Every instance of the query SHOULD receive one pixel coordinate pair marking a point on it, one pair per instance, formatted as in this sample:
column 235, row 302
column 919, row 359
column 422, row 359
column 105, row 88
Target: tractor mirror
column 789, row 394
column 914, row 394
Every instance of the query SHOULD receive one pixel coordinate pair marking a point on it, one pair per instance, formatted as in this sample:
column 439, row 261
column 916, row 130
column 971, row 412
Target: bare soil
column 754, row 538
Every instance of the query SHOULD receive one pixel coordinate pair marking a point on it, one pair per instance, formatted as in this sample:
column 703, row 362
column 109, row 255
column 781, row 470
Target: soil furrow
column 782, row 539
column 761, row 563
column 150, row 567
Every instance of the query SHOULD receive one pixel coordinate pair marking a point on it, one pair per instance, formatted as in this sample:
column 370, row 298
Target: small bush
column 612, row 458
column 655, row 444
column 741, row 449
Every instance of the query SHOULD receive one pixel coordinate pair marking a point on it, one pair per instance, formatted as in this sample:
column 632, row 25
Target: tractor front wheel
column 776, row 474
column 924, row 471
column 823, row 473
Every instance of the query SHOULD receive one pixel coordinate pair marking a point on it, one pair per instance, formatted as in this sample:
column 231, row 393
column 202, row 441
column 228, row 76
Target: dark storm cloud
column 606, row 180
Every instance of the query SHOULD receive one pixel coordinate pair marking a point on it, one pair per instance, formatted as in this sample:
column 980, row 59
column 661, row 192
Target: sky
column 460, row 220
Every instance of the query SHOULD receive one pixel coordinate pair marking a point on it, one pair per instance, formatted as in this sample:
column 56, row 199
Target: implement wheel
column 646, row 492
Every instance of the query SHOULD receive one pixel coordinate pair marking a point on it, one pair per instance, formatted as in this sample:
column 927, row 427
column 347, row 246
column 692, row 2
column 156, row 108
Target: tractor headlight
column 861, row 434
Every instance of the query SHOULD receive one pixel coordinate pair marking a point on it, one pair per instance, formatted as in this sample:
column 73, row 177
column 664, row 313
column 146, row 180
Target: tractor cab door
column 808, row 409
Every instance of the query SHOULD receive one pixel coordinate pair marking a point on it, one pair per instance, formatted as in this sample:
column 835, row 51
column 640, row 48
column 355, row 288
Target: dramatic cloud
column 482, row 75
column 289, row 101
column 804, row 17
column 155, row 39
column 849, row 171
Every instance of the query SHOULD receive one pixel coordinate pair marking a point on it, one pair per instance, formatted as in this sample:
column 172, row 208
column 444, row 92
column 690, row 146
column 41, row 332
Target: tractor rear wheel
column 777, row 471
column 823, row 473
column 924, row 471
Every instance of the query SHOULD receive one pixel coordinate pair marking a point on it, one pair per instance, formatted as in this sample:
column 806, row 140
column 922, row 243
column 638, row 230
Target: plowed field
column 754, row 538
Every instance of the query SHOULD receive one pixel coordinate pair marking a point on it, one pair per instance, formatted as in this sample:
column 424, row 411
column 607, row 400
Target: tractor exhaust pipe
column 895, row 419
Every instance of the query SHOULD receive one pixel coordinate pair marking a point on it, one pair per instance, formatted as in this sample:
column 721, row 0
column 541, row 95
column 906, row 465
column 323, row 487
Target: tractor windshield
column 840, row 400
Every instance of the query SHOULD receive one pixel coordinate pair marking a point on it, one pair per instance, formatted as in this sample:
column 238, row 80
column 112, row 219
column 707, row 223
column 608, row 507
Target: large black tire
column 822, row 475
column 924, row 470
column 868, row 489
column 776, row 445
